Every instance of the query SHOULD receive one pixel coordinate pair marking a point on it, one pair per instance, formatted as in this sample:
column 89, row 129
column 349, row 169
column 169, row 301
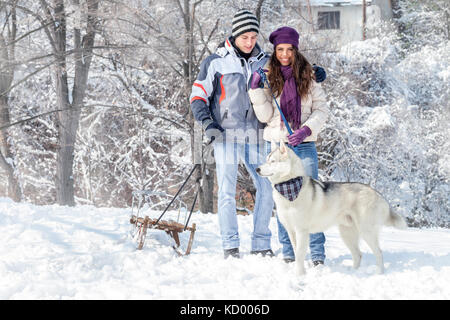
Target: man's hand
column 320, row 73
column 213, row 130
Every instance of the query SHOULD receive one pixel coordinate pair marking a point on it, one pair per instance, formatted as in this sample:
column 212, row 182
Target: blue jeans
column 227, row 156
column 308, row 154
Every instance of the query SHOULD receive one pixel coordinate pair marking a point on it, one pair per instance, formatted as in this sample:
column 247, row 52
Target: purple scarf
column 290, row 101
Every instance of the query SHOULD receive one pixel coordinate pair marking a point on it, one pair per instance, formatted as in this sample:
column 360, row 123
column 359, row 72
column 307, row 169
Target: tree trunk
column 364, row 19
column 6, row 158
column 447, row 19
column 7, row 54
column 68, row 120
column 207, row 190
column 14, row 191
column 206, row 174
column 64, row 154
column 310, row 16
column 258, row 10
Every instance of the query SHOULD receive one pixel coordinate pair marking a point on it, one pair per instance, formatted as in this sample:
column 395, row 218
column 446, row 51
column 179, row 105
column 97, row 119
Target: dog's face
column 281, row 165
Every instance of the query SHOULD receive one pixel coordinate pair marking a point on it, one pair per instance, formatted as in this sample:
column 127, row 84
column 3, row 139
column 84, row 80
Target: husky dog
column 305, row 206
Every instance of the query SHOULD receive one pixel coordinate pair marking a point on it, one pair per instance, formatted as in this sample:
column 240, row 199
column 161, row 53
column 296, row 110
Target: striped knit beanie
column 244, row 21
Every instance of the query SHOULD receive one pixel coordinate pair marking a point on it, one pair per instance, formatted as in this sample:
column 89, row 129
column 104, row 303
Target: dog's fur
column 357, row 209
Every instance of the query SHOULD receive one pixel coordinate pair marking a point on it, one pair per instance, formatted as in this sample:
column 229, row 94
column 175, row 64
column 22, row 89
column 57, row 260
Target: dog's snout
column 258, row 170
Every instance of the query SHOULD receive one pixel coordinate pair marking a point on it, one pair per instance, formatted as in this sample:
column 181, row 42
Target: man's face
column 246, row 41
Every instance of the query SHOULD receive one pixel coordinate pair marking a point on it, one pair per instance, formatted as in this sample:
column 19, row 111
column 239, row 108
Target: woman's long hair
column 303, row 74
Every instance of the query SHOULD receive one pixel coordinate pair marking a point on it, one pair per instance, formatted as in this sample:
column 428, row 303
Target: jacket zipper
column 225, row 115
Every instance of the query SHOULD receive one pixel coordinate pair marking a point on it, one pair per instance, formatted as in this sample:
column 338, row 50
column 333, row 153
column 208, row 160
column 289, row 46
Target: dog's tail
column 395, row 220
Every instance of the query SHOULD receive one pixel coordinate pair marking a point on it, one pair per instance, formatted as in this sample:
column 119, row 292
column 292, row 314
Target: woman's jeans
column 227, row 156
column 308, row 154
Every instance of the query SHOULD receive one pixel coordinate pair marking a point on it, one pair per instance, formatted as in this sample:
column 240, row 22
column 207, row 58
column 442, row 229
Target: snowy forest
column 94, row 101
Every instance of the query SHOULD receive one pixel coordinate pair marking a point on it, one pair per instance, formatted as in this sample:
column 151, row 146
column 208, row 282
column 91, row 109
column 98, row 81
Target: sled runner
column 172, row 228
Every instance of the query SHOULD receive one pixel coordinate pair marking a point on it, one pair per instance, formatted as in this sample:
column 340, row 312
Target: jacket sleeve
column 262, row 104
column 319, row 110
column 202, row 90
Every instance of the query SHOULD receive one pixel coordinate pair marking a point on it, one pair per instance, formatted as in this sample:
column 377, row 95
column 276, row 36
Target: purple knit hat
column 284, row 35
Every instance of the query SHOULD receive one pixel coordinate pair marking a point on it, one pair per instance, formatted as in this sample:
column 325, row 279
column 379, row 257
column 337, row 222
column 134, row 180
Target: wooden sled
column 172, row 228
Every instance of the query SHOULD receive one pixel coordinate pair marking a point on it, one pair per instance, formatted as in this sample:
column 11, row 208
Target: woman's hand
column 299, row 136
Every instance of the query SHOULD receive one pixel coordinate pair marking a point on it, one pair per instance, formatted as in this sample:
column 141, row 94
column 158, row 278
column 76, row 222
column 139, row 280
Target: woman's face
column 285, row 53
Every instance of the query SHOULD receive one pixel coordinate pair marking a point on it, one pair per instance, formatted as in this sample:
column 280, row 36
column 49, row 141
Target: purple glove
column 256, row 80
column 299, row 135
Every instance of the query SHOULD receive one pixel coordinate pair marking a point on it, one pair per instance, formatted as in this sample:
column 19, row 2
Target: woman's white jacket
column 314, row 112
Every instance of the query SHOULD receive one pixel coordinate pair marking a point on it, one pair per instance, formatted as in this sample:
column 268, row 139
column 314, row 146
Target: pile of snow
column 379, row 119
column 54, row 252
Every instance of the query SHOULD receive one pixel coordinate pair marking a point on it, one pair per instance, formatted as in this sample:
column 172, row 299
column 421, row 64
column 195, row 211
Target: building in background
column 342, row 21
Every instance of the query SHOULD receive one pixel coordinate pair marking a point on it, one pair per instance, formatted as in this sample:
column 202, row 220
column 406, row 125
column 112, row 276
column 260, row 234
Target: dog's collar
column 291, row 188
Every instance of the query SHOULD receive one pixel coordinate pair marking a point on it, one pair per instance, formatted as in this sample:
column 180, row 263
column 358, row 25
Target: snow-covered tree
column 389, row 116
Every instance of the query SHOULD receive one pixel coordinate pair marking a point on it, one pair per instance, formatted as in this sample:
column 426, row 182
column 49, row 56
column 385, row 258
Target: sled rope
column 181, row 188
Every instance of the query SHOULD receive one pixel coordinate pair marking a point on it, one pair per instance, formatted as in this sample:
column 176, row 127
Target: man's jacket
column 220, row 92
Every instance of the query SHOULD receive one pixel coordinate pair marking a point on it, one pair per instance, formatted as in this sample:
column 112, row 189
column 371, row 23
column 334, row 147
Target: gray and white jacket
column 220, row 92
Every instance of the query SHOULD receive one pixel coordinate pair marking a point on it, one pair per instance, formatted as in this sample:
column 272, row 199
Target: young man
column 220, row 101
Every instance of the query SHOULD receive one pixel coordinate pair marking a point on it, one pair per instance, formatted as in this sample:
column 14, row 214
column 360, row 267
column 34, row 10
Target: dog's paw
column 372, row 270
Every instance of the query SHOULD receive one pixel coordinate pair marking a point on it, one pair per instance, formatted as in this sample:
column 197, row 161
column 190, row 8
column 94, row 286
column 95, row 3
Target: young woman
column 303, row 103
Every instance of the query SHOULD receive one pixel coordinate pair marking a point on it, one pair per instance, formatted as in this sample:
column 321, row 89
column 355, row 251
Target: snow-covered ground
column 53, row 252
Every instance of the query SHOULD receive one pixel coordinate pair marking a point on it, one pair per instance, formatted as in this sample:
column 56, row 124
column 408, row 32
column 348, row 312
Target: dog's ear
column 273, row 145
column 283, row 149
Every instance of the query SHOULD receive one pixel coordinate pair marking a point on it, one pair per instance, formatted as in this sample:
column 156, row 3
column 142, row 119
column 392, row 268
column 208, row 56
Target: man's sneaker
column 231, row 252
column 264, row 253
column 288, row 260
column 317, row 263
